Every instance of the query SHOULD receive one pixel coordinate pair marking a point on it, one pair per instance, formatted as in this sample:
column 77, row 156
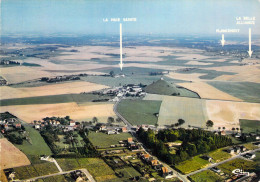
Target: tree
column 181, row 121
column 95, row 119
column 110, row 120
column 112, row 73
column 224, row 128
column 209, row 123
column 219, row 128
column 156, row 125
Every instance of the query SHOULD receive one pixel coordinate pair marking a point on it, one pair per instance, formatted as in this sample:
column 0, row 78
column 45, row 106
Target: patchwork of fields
column 192, row 110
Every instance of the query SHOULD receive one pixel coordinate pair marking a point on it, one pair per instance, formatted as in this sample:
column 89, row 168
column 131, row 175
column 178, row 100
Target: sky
column 83, row 17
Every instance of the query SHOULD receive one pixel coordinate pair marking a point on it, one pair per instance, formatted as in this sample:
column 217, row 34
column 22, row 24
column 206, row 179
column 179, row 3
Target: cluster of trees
column 194, row 142
column 14, row 139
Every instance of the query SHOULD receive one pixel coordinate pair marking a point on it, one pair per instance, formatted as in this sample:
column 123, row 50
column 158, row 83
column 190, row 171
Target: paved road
column 216, row 164
column 85, row 171
column 130, row 126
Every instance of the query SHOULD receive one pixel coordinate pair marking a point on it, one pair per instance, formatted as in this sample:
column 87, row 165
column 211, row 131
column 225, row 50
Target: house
column 257, row 137
column 124, row 129
column 37, row 126
column 206, row 157
column 18, row 125
column 146, row 157
column 257, row 144
column 237, row 149
column 249, row 156
column 111, row 132
column 242, row 148
column 215, row 169
column 72, row 123
column 166, row 173
column 231, row 150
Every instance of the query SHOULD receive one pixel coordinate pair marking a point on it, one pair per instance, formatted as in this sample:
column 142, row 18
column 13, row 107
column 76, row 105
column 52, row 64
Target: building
column 72, row 123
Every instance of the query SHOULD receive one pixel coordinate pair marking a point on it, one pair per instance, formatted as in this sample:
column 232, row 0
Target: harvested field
column 207, row 91
column 28, row 113
column 187, row 76
column 248, row 73
column 52, row 89
column 192, row 110
column 22, row 73
column 227, row 113
column 198, row 63
column 11, row 156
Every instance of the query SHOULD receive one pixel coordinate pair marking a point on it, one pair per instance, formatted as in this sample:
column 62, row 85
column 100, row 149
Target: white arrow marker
column 223, row 40
column 250, row 51
column 121, row 50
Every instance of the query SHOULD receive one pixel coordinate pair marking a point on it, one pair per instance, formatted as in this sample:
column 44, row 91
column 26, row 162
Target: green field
column 37, row 146
column 96, row 167
column 191, row 165
column 191, row 110
column 219, row 155
column 128, row 172
column 247, row 91
column 57, row 178
column 206, row 176
column 163, row 87
column 238, row 163
column 103, row 140
column 249, row 125
column 52, row 99
column 139, row 112
column 31, row 171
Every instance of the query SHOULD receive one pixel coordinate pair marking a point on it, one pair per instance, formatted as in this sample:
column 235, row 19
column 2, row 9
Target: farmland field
column 191, row 110
column 163, row 87
column 96, row 167
column 238, row 163
column 206, row 176
column 249, row 125
column 11, row 156
column 35, row 170
column 228, row 113
column 50, row 89
column 29, row 113
column 52, row 99
column 128, row 172
column 104, row 140
column 207, row 91
column 247, row 91
column 37, row 145
column 139, row 112
column 191, row 165
column 219, row 155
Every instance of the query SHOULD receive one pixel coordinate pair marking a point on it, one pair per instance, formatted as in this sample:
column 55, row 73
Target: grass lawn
column 238, row 163
column 104, row 140
column 191, row 165
column 246, row 91
column 250, row 146
column 52, row 99
column 206, row 176
column 26, row 172
column 139, row 112
column 249, row 125
column 37, row 146
column 219, row 155
column 68, row 164
column 128, row 172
